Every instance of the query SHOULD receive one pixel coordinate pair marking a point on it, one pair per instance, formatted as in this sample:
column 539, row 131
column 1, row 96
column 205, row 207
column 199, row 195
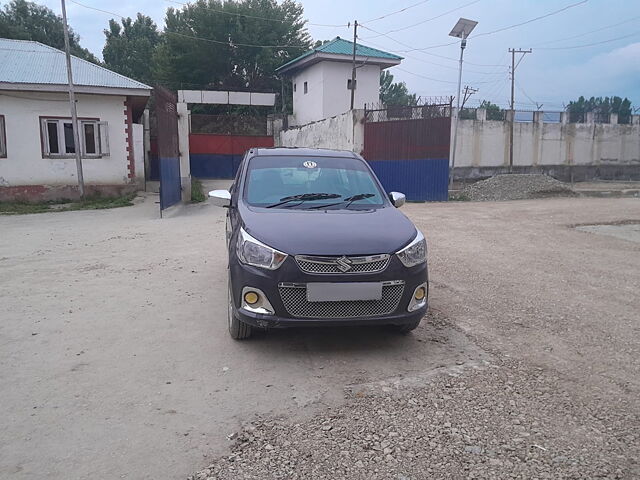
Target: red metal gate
column 168, row 151
column 408, row 148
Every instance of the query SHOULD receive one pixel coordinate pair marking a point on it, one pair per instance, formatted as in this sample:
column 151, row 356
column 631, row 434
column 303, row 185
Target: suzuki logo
column 343, row 264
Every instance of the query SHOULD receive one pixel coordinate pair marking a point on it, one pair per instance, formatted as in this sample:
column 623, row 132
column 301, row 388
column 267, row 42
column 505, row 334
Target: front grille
column 294, row 298
column 342, row 265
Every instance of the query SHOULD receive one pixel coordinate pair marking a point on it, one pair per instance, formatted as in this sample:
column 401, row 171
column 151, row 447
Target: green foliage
column 494, row 112
column 197, row 194
column 91, row 203
column 395, row 93
column 186, row 62
column 604, row 105
column 129, row 47
column 23, row 20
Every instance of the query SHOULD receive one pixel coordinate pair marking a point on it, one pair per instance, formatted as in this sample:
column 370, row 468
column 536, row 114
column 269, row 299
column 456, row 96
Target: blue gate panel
column 418, row 179
column 212, row 165
column 170, row 189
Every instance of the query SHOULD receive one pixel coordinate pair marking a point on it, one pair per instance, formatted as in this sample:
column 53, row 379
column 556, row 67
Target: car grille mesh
column 295, row 301
column 307, row 264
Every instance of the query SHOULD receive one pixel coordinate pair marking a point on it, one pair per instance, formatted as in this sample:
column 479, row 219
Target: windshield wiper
column 348, row 200
column 305, row 197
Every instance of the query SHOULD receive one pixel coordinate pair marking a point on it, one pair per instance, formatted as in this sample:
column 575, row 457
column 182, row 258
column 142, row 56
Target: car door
column 232, row 211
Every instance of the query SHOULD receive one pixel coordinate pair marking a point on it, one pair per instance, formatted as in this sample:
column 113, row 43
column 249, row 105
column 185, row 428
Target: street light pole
column 461, row 30
column 463, row 44
column 72, row 101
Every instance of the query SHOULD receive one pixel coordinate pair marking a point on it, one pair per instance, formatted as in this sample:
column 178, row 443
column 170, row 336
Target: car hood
column 330, row 232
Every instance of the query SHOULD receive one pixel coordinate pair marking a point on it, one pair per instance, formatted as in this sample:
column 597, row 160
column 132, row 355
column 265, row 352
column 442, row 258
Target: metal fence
column 397, row 112
column 601, row 117
column 523, row 116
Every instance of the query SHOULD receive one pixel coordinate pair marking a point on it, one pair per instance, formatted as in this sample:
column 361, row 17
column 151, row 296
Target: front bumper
column 268, row 281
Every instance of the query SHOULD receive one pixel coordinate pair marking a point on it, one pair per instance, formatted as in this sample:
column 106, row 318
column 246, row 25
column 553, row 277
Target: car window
column 270, row 179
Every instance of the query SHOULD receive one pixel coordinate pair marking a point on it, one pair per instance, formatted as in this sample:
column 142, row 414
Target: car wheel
column 237, row 328
column 407, row 327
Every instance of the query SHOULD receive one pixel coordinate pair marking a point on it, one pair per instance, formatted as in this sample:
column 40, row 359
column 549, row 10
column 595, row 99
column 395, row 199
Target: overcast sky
column 551, row 75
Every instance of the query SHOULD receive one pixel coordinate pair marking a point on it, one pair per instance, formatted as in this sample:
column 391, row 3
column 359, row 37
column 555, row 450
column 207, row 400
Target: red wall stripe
column 226, row 144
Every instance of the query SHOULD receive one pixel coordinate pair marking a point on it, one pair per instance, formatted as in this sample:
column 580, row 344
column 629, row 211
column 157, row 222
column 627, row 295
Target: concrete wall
column 25, row 164
column 327, row 94
column 342, row 132
column 485, row 143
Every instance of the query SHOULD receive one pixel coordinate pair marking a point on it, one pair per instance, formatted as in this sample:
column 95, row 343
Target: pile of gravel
column 496, row 421
column 516, row 187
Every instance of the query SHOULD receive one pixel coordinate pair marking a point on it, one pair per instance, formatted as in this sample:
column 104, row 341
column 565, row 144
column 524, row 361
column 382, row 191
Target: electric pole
column 513, row 52
column 72, row 101
column 353, row 69
column 468, row 91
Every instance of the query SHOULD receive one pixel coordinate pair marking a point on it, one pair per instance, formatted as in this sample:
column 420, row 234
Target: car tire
column 237, row 328
column 407, row 327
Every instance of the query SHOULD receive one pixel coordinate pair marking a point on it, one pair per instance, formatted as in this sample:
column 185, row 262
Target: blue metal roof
column 24, row 61
column 339, row 46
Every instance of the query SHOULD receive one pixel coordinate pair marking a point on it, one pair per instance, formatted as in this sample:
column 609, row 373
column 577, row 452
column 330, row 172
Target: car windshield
column 311, row 183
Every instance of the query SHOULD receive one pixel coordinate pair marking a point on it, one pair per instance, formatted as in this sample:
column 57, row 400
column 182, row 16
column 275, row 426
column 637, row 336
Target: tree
column 218, row 58
column 23, row 20
column 129, row 48
column 395, row 93
column 602, row 105
column 494, row 112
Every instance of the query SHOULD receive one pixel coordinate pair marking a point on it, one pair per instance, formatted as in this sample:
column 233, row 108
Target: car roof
column 302, row 152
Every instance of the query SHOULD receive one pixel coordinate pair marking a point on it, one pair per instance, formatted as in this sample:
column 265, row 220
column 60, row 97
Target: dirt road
column 115, row 362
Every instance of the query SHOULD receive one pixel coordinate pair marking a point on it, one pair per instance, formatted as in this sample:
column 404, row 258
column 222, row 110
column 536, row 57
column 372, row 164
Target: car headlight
column 414, row 253
column 253, row 252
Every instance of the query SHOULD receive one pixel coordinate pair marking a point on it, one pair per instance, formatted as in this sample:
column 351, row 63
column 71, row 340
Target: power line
column 588, row 33
column 425, row 21
column 555, row 12
column 257, row 17
column 439, row 56
column 229, row 43
column 538, row 105
column 397, row 11
column 590, row 44
column 508, row 27
column 423, row 76
column 422, row 60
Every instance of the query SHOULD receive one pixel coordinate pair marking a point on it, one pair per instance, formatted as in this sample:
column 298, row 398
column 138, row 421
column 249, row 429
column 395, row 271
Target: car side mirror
column 221, row 198
column 397, row 199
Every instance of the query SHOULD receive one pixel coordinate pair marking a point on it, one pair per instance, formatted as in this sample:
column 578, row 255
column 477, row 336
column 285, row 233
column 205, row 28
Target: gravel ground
column 115, row 361
column 501, row 419
column 516, row 187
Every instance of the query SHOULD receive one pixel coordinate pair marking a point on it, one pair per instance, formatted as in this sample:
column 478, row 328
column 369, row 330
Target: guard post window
column 3, row 138
column 57, row 138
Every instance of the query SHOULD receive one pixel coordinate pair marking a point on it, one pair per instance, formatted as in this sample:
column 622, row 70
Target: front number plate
column 339, row 292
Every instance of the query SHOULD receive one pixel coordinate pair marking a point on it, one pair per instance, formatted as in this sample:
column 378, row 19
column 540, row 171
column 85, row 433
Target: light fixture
column 461, row 30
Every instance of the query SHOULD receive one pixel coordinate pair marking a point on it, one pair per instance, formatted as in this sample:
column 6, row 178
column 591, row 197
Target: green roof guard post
column 339, row 46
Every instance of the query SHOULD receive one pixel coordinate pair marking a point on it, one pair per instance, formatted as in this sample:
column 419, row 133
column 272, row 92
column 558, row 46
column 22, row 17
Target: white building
column 37, row 160
column 321, row 79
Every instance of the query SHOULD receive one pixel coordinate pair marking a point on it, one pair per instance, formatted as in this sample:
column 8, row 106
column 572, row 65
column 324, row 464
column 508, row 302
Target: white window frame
column 3, row 138
column 100, row 132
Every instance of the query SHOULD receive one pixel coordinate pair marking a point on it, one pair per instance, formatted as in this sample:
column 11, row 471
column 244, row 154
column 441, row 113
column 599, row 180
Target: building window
column 294, row 87
column 306, row 88
column 3, row 138
column 349, row 84
column 57, row 138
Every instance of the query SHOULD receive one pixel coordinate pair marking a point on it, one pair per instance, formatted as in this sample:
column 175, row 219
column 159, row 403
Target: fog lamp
column 254, row 300
column 251, row 298
column 419, row 299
